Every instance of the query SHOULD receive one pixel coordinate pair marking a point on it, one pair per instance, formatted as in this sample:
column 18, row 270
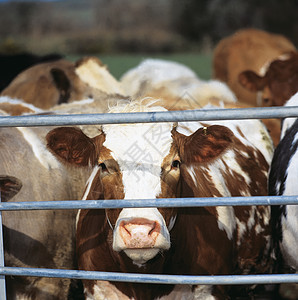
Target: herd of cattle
column 147, row 161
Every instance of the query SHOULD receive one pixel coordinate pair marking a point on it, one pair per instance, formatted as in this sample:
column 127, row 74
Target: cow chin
column 141, row 256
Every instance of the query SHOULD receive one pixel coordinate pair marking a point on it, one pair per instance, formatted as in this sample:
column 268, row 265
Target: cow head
column 278, row 84
column 138, row 161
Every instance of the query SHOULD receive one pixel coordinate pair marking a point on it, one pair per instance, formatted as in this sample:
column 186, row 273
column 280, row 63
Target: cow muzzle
column 141, row 238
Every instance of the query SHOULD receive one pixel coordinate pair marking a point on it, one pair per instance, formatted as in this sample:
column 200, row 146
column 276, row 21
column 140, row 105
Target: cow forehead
column 139, row 150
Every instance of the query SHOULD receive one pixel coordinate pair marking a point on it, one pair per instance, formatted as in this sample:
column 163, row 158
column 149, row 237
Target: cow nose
column 139, row 233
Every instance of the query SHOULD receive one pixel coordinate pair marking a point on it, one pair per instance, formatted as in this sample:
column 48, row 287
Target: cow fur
column 177, row 85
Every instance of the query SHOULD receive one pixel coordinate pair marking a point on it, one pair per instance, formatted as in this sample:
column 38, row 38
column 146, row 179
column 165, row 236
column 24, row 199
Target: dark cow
column 248, row 49
column 49, row 84
column 38, row 238
column 279, row 82
column 139, row 161
column 13, row 64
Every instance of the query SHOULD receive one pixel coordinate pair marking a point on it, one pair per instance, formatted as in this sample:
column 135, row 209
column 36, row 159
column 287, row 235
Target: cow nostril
column 127, row 230
column 153, row 229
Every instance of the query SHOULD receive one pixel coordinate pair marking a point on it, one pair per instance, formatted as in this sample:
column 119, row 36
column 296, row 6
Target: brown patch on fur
column 203, row 145
column 73, row 146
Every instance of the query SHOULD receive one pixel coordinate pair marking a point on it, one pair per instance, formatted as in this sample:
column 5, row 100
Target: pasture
column 118, row 64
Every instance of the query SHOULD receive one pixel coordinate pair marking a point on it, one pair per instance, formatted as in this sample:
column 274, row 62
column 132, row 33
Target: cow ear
column 251, row 81
column 204, row 145
column 62, row 83
column 72, row 146
column 9, row 187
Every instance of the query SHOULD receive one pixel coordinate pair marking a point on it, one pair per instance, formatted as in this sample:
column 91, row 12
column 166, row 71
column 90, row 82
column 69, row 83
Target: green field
column 119, row 64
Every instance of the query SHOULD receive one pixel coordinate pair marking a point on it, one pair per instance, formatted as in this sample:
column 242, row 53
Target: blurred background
column 123, row 32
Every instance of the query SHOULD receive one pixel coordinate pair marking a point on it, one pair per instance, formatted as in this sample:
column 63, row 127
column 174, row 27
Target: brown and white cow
column 249, row 49
column 139, row 161
column 49, row 84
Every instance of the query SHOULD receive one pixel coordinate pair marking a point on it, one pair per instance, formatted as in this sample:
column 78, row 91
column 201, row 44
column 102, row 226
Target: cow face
column 138, row 161
column 278, row 84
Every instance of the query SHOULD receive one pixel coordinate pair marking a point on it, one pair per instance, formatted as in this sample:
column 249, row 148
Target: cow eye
column 103, row 167
column 175, row 164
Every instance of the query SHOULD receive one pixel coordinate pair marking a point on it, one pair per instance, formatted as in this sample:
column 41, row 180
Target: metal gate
column 146, row 117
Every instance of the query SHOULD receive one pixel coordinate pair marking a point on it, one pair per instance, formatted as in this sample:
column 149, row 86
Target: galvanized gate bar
column 148, row 117
column 2, row 277
column 171, row 116
column 153, row 278
column 159, row 202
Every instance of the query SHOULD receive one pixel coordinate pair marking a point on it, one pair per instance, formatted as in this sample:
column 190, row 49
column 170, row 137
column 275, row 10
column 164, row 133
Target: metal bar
column 152, row 278
column 173, row 116
column 148, row 117
column 2, row 277
column 159, row 202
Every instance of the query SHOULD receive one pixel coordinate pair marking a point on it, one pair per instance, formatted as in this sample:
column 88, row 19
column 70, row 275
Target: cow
column 13, row 64
column 166, row 160
column 48, row 84
column 282, row 181
column 248, row 49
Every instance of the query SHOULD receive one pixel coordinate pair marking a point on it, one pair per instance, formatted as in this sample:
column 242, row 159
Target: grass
column 119, row 64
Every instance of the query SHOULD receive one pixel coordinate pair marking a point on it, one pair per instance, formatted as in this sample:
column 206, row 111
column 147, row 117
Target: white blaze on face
column 139, row 151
